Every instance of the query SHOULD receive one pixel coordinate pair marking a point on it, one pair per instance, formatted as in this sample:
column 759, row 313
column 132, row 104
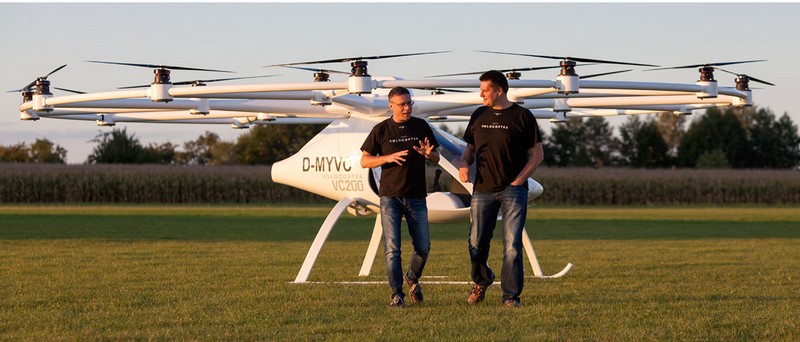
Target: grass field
column 224, row 273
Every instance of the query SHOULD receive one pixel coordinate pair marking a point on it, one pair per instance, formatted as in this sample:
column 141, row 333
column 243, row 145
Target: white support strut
column 537, row 270
column 372, row 250
column 322, row 235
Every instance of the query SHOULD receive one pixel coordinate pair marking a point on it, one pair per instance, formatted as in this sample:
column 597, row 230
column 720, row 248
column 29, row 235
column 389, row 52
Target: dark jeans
column 415, row 211
column 512, row 203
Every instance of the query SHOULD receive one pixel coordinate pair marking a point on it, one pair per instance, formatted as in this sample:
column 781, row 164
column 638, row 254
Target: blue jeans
column 415, row 210
column 512, row 203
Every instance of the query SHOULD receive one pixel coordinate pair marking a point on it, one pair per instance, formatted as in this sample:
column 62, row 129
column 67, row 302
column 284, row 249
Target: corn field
column 53, row 183
column 611, row 186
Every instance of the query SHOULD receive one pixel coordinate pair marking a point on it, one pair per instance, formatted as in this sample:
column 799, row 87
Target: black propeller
column 320, row 75
column 751, row 78
column 200, row 82
column 160, row 66
column 605, row 73
column 327, row 71
column 70, row 90
column 715, row 64
column 40, row 78
column 569, row 58
column 352, row 59
column 503, row 70
column 358, row 64
column 441, row 90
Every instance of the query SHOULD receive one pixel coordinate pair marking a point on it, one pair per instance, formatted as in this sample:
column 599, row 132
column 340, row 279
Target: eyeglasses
column 409, row 103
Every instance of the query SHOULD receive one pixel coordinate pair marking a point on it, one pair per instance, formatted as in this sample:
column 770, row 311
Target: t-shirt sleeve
column 371, row 145
column 535, row 136
column 468, row 137
column 430, row 136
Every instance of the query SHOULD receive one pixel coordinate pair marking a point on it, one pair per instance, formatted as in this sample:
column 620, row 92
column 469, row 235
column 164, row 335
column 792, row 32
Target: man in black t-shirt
column 503, row 140
column 400, row 145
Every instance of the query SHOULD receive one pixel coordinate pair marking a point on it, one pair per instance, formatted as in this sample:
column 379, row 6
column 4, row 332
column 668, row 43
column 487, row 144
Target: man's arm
column 369, row 161
column 467, row 158
column 536, row 157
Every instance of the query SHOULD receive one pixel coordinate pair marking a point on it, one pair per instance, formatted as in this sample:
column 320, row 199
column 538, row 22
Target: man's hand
column 397, row 157
column 463, row 173
column 424, row 148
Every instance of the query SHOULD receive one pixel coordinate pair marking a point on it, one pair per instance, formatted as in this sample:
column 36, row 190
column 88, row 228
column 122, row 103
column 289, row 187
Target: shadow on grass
column 278, row 228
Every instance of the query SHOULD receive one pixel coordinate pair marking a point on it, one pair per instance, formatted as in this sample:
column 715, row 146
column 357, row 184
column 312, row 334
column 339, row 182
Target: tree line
column 734, row 138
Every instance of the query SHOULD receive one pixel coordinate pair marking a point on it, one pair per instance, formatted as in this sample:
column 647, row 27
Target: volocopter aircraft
column 328, row 165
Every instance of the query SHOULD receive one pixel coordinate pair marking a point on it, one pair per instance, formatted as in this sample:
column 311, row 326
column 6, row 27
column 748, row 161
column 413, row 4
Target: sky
column 244, row 37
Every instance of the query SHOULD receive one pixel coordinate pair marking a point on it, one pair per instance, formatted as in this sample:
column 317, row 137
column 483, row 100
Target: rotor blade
column 605, row 73
column 760, row 81
column 350, row 59
column 577, row 59
column 220, row 79
column 748, row 76
column 70, row 90
column 161, row 66
column 198, row 81
column 707, row 64
column 318, row 70
column 502, row 70
column 445, row 89
column 133, row 87
column 52, row 72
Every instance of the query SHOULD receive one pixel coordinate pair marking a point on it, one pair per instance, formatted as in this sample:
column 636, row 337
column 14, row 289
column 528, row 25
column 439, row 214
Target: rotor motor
column 41, row 95
column 359, row 81
column 159, row 89
column 568, row 82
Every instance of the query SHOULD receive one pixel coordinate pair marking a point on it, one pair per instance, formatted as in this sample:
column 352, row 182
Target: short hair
column 398, row 91
column 497, row 78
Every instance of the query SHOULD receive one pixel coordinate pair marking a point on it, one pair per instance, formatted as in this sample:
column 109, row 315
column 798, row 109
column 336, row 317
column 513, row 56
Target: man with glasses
column 400, row 145
column 504, row 142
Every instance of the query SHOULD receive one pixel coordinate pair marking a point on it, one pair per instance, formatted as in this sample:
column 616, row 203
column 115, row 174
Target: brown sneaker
column 510, row 303
column 477, row 294
column 397, row 302
column 414, row 291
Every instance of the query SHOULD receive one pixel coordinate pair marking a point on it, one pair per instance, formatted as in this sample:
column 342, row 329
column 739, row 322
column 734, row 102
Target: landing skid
column 537, row 270
column 374, row 242
column 377, row 233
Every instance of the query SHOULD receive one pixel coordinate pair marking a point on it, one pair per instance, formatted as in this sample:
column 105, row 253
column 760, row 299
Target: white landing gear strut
column 322, row 235
column 537, row 270
column 377, row 233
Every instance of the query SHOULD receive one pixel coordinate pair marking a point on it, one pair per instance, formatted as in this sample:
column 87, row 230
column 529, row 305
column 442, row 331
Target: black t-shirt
column 502, row 139
column 388, row 137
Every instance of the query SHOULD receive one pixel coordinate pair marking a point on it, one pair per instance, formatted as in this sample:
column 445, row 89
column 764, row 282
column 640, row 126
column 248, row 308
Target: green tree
column 199, row 151
column 116, row 147
column 672, row 131
column 266, row 144
column 579, row 143
column 715, row 159
column 19, row 153
column 599, row 141
column 715, row 130
column 628, row 146
column 159, row 153
column 773, row 144
column 562, row 148
column 45, row 151
column 223, row 153
column 642, row 144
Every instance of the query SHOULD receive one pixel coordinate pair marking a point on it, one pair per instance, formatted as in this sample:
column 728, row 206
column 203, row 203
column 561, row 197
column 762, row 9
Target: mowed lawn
column 225, row 272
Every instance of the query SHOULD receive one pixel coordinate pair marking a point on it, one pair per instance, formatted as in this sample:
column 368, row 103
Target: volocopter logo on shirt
column 494, row 126
column 403, row 139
